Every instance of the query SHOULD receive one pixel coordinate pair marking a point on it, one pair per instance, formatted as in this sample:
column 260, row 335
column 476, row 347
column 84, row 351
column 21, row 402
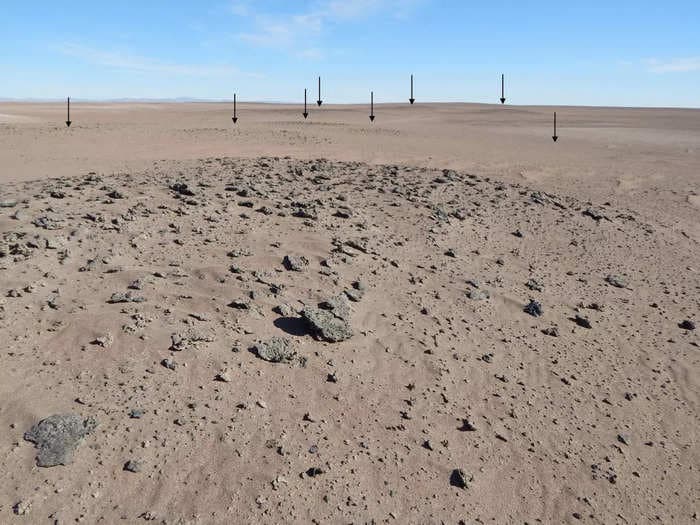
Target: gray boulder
column 58, row 436
column 326, row 325
column 275, row 350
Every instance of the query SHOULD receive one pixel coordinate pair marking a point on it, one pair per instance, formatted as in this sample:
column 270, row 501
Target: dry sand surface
column 441, row 317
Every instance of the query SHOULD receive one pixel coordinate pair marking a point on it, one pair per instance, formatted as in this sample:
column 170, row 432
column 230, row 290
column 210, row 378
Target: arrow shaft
column 304, row 100
column 319, row 88
column 372, row 102
column 555, row 123
column 234, row 104
column 411, row 86
column 68, row 109
column 503, row 86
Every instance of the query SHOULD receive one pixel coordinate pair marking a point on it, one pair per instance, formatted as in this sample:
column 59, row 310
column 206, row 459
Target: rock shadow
column 293, row 326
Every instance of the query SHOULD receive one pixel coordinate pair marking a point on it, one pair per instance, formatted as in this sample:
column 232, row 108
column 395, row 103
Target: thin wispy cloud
column 299, row 32
column 674, row 65
column 139, row 64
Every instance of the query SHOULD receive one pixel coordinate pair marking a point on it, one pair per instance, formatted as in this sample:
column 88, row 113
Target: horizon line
column 197, row 100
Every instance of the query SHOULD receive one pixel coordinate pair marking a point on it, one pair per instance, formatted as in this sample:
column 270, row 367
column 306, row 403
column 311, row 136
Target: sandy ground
column 507, row 323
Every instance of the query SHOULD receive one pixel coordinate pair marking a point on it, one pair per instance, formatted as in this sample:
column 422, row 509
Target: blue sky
column 552, row 52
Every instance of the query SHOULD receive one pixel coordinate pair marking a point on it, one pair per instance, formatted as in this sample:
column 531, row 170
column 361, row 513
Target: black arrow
column 235, row 118
column 306, row 113
column 68, row 121
column 554, row 137
column 319, row 101
column 503, row 89
column 371, row 114
column 411, row 100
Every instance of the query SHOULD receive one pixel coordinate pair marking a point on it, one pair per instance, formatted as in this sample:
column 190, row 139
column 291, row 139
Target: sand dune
column 443, row 317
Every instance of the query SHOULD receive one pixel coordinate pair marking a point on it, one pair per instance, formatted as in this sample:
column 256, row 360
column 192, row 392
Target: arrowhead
column 319, row 102
column 554, row 138
column 305, row 114
column 68, row 123
column 371, row 117
column 235, row 119
column 503, row 100
column 411, row 100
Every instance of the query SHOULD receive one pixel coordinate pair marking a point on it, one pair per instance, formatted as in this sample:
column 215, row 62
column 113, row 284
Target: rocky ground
column 273, row 340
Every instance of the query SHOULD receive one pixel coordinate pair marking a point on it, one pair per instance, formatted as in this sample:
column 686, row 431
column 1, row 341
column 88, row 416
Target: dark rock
column 295, row 263
column 58, row 436
column 182, row 189
column 284, row 310
column 534, row 309
column 459, row 479
column 239, row 304
column 128, row 297
column 616, row 281
column 355, row 294
column 114, row 194
column 359, row 244
column 624, row 439
column 582, row 322
column 552, row 332
column 169, row 364
column 467, row 426
column 594, row 214
column 136, row 413
column 687, row 325
column 532, row 284
column 132, row 466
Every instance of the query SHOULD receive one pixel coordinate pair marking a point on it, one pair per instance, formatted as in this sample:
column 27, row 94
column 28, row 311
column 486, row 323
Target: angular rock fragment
column 624, row 439
column 295, row 263
column 188, row 340
column 132, row 466
column 58, row 436
column 552, row 331
column 687, row 325
column 476, row 294
column 275, row 350
column 223, row 377
column 338, row 305
column 115, row 194
column 239, row 304
column 356, row 293
column 182, row 189
column 136, row 413
column 105, row 341
column 532, row 284
column 534, row 309
column 284, row 310
column 583, row 322
column 128, row 297
column 22, row 508
column 616, row 281
column 460, row 479
column 326, row 325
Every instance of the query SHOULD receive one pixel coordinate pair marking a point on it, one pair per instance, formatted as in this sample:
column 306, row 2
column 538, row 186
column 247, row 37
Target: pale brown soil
column 594, row 425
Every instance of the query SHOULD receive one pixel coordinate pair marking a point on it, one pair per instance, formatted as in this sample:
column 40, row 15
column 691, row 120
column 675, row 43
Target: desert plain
column 439, row 317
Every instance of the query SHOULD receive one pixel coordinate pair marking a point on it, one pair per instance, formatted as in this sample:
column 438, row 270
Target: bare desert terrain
column 439, row 317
